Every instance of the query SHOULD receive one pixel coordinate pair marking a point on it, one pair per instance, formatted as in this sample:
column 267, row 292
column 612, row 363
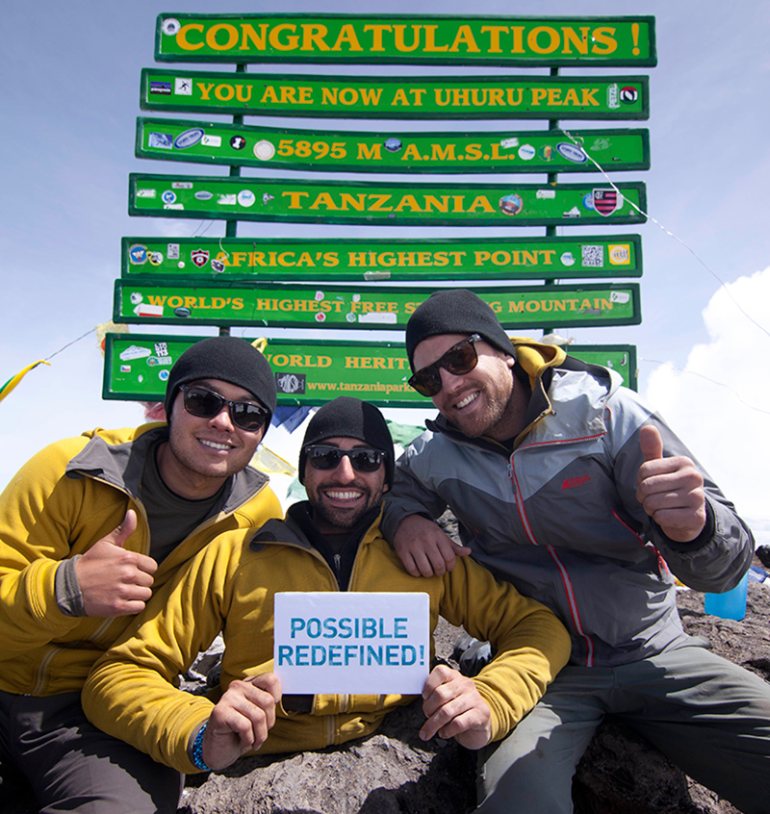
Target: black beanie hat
column 455, row 311
column 347, row 417
column 229, row 359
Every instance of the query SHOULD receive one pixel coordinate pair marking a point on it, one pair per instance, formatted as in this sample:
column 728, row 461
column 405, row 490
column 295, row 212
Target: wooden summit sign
column 507, row 151
column 265, row 259
column 307, row 371
column 365, row 306
column 384, row 204
column 399, row 97
column 414, row 39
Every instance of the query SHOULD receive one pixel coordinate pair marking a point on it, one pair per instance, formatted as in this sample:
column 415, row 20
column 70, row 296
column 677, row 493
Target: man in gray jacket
column 567, row 485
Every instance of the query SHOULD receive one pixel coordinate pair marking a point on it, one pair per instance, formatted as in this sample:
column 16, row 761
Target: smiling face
column 341, row 496
column 479, row 402
column 202, row 453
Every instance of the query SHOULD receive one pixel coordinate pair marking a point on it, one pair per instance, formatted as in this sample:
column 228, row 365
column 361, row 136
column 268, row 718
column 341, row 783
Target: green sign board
column 384, row 204
column 363, row 307
column 507, row 151
column 402, row 97
column 296, row 259
column 397, row 38
column 306, row 371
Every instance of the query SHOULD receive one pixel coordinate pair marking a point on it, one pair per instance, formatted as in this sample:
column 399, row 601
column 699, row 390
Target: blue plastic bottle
column 730, row 604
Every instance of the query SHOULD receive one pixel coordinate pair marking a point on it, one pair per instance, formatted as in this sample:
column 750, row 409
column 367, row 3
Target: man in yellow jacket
column 330, row 542
column 90, row 528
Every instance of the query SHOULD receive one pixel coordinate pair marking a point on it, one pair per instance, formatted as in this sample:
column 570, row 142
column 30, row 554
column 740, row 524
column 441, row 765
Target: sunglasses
column 362, row 459
column 204, row 403
column 459, row 359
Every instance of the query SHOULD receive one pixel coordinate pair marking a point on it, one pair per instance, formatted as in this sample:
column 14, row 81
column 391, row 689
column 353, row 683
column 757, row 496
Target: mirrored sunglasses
column 458, row 360
column 204, row 403
column 362, row 459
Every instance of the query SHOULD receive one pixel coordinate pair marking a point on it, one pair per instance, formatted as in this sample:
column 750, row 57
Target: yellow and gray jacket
column 64, row 499
column 230, row 586
column 558, row 517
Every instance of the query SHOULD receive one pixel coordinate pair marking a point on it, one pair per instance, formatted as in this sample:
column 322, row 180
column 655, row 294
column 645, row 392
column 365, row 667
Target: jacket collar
column 536, row 365
column 121, row 466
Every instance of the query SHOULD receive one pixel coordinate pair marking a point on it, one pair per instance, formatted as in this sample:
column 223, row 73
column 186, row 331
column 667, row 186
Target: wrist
column 196, row 749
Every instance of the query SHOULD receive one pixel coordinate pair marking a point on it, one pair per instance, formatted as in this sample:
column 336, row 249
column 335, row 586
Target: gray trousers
column 708, row 716
column 73, row 766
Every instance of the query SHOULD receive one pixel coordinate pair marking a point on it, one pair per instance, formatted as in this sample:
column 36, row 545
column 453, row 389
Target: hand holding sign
column 242, row 719
column 670, row 489
column 454, row 709
column 113, row 581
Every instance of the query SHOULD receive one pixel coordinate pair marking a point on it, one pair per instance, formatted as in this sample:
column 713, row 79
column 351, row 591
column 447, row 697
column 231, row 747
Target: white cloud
column 720, row 402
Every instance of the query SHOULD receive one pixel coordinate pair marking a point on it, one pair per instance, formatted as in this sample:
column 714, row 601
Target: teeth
column 344, row 495
column 466, row 401
column 213, row 444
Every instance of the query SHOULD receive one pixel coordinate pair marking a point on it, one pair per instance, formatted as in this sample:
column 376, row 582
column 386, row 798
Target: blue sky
column 70, row 96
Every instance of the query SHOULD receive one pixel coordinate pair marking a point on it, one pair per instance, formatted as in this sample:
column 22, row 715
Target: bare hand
column 424, row 549
column 670, row 489
column 113, row 581
column 240, row 722
column 454, row 709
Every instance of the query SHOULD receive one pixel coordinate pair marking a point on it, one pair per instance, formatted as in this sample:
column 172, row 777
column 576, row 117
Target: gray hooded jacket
column 559, row 518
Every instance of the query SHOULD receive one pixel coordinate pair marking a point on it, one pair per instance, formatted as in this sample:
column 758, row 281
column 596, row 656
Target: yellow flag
column 14, row 380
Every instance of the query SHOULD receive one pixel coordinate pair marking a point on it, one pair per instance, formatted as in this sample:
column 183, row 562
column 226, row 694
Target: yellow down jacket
column 64, row 499
column 230, row 585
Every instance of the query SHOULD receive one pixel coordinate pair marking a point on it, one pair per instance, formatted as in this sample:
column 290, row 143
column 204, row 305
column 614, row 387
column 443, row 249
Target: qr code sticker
column 593, row 256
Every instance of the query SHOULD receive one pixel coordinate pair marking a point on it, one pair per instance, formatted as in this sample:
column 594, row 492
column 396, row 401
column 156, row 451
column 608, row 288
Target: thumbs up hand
column 670, row 489
column 113, row 581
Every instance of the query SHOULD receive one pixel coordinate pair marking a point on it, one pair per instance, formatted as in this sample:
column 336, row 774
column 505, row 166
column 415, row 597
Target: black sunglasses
column 204, row 403
column 459, row 359
column 363, row 459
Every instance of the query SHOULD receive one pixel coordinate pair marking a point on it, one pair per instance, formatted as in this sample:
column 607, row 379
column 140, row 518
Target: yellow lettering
column 604, row 36
column 280, row 43
column 348, row 37
column 183, row 38
column 230, row 40
column 465, row 38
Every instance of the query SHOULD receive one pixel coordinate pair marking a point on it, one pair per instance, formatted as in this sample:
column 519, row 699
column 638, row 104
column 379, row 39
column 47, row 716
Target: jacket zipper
column 563, row 572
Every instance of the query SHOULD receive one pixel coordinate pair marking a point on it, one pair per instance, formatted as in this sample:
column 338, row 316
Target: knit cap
column 229, row 359
column 455, row 311
column 347, row 417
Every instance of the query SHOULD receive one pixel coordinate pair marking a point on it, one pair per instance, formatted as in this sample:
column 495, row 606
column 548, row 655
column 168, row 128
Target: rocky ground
column 393, row 772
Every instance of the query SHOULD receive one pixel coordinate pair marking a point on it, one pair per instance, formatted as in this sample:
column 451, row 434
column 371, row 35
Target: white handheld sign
column 347, row 642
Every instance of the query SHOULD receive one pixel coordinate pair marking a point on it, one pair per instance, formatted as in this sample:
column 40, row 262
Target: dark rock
column 393, row 771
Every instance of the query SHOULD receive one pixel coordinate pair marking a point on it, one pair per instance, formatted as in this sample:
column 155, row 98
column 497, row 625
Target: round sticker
column 511, row 204
column 170, row 26
column 527, row 152
column 137, row 254
column 393, row 144
column 246, row 197
column 571, row 152
column 168, row 197
column 628, row 94
column 568, row 259
column 188, row 138
column 264, row 150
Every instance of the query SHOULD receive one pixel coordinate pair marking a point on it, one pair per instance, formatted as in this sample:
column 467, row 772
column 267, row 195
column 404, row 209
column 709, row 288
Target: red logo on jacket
column 578, row 480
